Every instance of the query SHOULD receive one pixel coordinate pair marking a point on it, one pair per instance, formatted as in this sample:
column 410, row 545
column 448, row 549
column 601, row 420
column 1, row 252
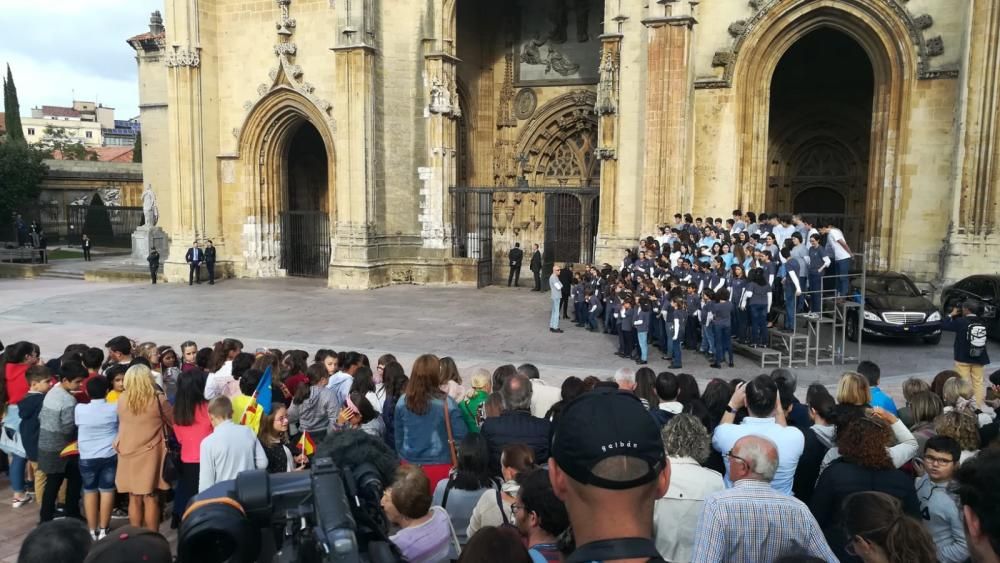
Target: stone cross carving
column 150, row 211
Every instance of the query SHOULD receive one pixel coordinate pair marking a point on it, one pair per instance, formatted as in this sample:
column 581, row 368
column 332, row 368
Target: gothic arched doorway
column 305, row 222
column 820, row 128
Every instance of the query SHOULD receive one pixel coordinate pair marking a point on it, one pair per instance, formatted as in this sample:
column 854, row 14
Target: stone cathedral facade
column 373, row 142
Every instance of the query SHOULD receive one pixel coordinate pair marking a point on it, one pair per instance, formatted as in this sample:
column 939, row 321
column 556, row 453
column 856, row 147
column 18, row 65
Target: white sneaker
column 93, row 535
column 102, row 533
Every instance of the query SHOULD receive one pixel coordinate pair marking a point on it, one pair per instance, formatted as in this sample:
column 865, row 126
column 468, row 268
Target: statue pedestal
column 145, row 238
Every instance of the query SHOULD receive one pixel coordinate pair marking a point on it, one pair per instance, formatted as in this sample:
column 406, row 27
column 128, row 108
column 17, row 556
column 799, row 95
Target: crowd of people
column 702, row 283
column 502, row 466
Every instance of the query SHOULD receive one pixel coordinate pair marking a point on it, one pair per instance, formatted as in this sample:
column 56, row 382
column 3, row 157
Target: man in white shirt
column 841, row 253
column 230, row 449
column 543, row 395
column 555, row 289
column 767, row 419
column 782, row 230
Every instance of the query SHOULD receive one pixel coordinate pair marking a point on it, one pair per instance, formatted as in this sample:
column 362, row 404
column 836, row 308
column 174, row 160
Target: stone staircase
column 57, row 273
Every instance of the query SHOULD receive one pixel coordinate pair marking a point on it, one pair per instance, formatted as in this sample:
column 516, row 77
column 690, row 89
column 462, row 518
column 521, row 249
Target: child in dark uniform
column 677, row 321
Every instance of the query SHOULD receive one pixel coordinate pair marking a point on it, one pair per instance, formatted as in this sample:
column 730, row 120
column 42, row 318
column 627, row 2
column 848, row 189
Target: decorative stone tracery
column 553, row 139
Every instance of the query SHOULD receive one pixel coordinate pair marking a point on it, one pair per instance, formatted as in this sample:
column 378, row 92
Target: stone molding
column 183, row 57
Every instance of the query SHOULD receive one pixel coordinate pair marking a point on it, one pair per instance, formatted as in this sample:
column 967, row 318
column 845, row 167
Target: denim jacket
column 423, row 438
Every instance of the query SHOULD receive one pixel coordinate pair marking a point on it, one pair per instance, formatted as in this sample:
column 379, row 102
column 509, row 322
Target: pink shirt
column 190, row 437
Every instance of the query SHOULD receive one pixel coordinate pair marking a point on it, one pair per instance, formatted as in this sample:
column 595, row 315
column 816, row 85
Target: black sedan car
column 982, row 288
column 894, row 308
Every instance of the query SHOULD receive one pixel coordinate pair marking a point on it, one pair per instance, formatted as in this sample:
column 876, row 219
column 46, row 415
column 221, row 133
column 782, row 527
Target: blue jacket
column 423, row 438
column 28, row 409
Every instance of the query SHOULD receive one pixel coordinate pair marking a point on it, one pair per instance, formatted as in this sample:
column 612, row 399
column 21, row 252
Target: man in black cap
column 608, row 465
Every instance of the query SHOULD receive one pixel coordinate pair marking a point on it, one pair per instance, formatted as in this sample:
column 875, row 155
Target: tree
column 12, row 109
column 21, row 174
column 57, row 139
column 137, row 151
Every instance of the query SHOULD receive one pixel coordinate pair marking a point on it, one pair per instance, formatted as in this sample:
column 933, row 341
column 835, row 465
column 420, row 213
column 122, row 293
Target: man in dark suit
column 194, row 258
column 566, row 278
column 86, row 248
column 536, row 268
column 210, row 262
column 516, row 255
column 154, row 263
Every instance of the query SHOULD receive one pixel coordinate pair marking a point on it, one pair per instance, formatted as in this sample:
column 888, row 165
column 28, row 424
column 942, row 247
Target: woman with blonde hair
column 451, row 380
column 474, row 399
column 911, row 387
column 421, row 426
column 960, row 424
column 149, row 352
column 958, row 395
column 143, row 411
column 925, row 407
column 853, row 389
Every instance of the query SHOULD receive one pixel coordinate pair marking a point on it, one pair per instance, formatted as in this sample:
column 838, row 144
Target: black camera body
column 328, row 514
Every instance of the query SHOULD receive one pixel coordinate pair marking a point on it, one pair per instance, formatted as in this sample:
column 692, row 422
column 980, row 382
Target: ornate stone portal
column 413, row 98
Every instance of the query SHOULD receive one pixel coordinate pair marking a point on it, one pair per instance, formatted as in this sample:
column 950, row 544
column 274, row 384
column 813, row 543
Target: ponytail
column 906, row 541
column 220, row 353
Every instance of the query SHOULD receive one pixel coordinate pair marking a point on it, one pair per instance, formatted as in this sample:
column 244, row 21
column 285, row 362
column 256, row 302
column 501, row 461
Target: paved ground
column 479, row 328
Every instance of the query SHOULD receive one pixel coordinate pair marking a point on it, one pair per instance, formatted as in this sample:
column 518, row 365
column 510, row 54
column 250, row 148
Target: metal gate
column 474, row 231
column 106, row 225
column 569, row 233
column 305, row 243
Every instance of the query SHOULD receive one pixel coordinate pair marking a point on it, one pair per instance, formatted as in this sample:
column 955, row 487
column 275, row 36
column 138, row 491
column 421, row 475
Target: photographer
column 970, row 345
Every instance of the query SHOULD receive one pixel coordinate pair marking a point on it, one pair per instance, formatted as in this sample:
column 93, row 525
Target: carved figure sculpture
column 150, row 211
column 559, row 63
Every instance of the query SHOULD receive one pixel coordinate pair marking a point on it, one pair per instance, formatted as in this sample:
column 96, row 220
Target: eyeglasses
column 282, row 419
column 932, row 460
column 737, row 458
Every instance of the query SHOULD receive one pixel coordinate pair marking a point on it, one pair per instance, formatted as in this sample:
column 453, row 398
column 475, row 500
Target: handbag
column 451, row 437
column 172, row 461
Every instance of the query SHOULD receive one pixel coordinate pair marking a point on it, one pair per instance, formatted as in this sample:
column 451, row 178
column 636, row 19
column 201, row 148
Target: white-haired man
column 625, row 378
column 752, row 522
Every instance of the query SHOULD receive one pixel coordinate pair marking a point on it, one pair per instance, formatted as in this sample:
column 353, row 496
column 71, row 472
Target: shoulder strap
column 451, row 437
column 447, row 491
column 613, row 550
column 503, row 511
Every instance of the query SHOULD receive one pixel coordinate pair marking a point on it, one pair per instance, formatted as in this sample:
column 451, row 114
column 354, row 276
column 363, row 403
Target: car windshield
column 891, row 286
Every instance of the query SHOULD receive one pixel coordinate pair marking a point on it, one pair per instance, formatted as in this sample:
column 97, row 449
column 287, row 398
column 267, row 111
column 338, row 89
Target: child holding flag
column 248, row 406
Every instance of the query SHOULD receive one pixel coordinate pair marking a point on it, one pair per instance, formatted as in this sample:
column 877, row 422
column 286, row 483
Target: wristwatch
column 729, row 408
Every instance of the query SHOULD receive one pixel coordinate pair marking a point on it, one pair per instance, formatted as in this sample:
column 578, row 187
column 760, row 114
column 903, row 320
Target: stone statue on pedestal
column 150, row 212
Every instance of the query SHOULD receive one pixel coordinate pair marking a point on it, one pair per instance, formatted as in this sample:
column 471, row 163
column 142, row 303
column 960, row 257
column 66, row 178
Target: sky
column 58, row 49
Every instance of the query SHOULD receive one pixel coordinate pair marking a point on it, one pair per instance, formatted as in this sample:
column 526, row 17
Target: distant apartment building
column 88, row 123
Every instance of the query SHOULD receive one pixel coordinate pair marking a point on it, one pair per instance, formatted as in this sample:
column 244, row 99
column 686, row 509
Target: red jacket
column 17, row 384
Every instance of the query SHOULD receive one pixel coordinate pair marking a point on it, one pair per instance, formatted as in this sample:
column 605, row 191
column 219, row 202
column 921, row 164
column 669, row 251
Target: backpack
column 976, row 334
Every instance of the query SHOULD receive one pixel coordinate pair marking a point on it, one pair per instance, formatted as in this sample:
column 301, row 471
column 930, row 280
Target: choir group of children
column 704, row 282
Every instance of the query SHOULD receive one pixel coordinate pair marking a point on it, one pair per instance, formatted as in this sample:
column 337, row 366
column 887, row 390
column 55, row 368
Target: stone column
column 669, row 112
column 441, row 114
column 608, row 102
column 354, row 226
column 973, row 242
column 182, row 56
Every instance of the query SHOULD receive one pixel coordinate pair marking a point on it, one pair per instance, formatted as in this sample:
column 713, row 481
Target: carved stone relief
column 525, row 103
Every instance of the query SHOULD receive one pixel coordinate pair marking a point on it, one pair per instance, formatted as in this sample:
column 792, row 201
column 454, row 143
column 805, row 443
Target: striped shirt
column 752, row 522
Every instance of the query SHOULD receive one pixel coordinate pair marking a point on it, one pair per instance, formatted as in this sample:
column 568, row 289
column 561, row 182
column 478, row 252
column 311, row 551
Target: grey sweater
column 318, row 412
column 57, row 428
column 943, row 518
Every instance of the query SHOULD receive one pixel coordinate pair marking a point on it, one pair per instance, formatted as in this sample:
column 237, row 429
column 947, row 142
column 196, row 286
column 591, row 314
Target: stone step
column 61, row 275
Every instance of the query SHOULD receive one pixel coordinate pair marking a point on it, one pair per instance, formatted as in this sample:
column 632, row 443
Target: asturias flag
column 260, row 400
column 306, row 444
column 71, row 450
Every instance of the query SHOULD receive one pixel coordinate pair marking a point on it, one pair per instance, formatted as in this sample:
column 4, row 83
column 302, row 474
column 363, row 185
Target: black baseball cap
column 129, row 544
column 605, row 424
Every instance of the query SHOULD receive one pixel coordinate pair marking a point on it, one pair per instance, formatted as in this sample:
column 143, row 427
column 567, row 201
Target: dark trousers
column 723, row 343
column 675, row 353
column 538, row 279
column 187, row 487
column 692, row 330
column 152, row 272
column 53, row 481
column 514, row 276
column 211, row 272
column 563, row 303
column 627, row 341
column 592, row 320
column 86, row 254
column 815, row 291
column 195, row 273
column 758, row 324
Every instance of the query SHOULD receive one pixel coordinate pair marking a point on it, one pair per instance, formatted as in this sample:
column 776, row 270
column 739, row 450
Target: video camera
column 332, row 513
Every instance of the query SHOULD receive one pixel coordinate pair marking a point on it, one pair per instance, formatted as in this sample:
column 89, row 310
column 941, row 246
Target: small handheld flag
column 306, row 444
column 71, row 450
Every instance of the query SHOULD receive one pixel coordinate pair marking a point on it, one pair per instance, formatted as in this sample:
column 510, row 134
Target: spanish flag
column 306, row 444
column 70, row 450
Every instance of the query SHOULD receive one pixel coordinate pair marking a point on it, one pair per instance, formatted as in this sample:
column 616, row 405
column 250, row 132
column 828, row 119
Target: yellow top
column 112, row 396
column 240, row 404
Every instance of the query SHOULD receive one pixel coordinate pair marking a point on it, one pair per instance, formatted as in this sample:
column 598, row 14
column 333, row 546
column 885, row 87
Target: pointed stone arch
column 886, row 39
column 263, row 144
column 565, row 129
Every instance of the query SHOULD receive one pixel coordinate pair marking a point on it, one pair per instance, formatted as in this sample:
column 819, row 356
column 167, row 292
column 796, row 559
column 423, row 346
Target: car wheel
column 852, row 329
column 933, row 340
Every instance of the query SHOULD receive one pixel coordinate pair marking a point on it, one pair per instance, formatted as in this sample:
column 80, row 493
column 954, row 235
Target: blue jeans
column 643, row 344
column 98, row 475
column 676, row 355
column 791, row 306
column 815, row 291
column 17, row 469
column 707, row 339
column 723, row 343
column 758, row 324
column 554, row 320
column 843, row 268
